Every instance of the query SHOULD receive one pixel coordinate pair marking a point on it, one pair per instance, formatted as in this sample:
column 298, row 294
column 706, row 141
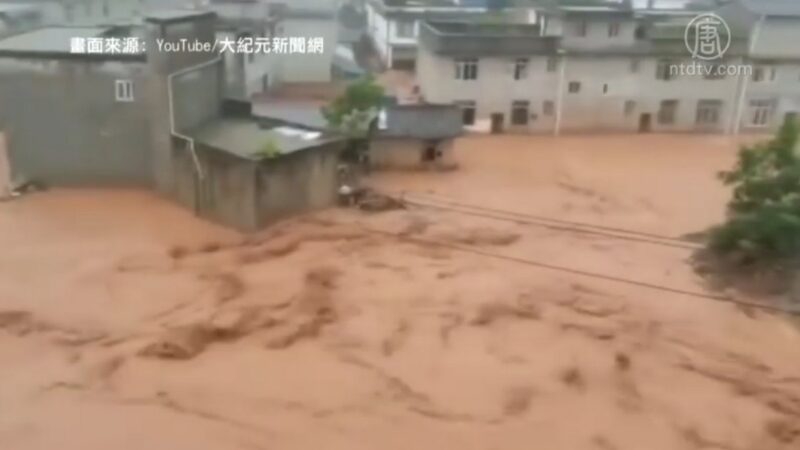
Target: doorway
column 497, row 123
column 645, row 122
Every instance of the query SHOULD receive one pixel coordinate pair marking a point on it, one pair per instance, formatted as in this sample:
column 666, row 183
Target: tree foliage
column 764, row 213
column 353, row 111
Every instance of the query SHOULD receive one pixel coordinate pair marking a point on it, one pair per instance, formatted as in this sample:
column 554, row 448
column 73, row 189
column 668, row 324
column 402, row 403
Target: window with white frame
column 629, row 108
column 664, row 70
column 574, row 87
column 520, row 112
column 667, row 112
column 761, row 112
column 405, row 28
column 764, row 74
column 468, row 108
column 123, row 90
column 635, row 63
column 613, row 29
column 552, row 64
column 521, row 69
column 548, row 108
column 467, row 69
column 581, row 28
column 708, row 112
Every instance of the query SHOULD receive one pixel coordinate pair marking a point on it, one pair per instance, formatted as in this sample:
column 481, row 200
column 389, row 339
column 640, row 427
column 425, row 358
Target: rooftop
column 421, row 121
column 472, row 39
column 485, row 29
column 306, row 113
column 176, row 15
column 778, row 8
column 245, row 137
column 55, row 42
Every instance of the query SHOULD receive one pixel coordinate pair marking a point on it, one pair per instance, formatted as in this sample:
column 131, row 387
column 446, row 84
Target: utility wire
column 580, row 229
column 584, row 273
column 450, row 202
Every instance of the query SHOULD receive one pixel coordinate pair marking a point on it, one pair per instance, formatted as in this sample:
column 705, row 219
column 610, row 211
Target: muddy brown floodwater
column 126, row 323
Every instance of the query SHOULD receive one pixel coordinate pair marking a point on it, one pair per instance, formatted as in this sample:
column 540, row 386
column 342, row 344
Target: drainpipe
column 173, row 130
column 746, row 79
column 560, row 95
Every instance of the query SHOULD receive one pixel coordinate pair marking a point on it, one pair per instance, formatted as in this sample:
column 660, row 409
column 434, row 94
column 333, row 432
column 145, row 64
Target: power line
column 584, row 273
column 454, row 203
column 567, row 228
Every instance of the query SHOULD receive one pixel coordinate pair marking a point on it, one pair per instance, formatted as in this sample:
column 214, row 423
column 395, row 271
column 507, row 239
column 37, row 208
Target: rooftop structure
column 56, row 41
column 469, row 38
column 246, row 137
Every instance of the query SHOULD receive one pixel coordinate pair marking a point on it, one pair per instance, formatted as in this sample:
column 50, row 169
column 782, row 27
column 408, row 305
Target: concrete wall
column 227, row 192
column 378, row 29
column 606, row 83
column 309, row 68
column 783, row 91
column 776, row 37
column 407, row 154
column 597, row 33
column 196, row 95
column 297, row 182
column 494, row 90
column 64, row 126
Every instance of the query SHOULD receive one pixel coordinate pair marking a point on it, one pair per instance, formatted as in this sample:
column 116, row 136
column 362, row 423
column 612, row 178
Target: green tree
column 353, row 111
column 764, row 213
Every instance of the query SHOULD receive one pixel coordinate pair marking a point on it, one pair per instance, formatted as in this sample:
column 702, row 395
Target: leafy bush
column 270, row 149
column 353, row 111
column 764, row 213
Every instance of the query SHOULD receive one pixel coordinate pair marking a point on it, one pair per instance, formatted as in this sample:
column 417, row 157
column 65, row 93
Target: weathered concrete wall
column 783, row 91
column 226, row 194
column 196, row 95
column 64, row 125
column 495, row 89
column 297, row 182
column 408, row 154
column 309, row 67
column 606, row 84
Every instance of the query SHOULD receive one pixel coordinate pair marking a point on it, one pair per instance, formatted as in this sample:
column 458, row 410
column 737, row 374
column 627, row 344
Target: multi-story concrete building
column 394, row 25
column 147, row 117
column 606, row 68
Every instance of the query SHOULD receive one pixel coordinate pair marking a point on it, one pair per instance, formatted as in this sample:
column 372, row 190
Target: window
column 548, row 108
column 582, row 28
column 519, row 112
column 664, row 70
column 714, row 71
column 467, row 112
column 552, row 63
column 574, row 87
column 761, row 112
column 520, row 69
column 667, row 112
column 605, row 88
column 467, row 69
column 613, row 29
column 630, row 107
column 405, row 28
column 640, row 32
column 763, row 74
column 635, row 63
column 123, row 90
column 708, row 112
